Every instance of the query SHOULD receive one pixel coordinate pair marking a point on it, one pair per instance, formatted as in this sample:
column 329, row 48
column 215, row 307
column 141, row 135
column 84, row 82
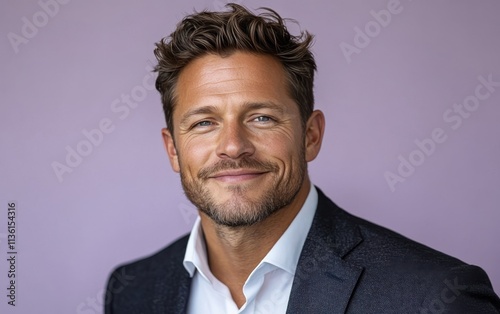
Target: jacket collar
column 324, row 280
column 172, row 283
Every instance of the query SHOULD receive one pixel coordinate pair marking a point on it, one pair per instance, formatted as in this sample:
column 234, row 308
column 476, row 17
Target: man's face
column 239, row 141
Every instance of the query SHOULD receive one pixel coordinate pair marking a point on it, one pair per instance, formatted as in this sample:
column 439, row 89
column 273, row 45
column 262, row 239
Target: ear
column 315, row 129
column 168, row 140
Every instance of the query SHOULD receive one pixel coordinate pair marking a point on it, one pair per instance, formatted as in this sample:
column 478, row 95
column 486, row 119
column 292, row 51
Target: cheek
column 280, row 148
column 194, row 154
column 279, row 138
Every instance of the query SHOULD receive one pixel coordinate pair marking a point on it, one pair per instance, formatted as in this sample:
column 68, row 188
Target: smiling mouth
column 235, row 176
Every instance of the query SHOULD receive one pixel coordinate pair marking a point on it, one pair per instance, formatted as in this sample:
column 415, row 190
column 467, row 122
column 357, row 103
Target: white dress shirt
column 268, row 287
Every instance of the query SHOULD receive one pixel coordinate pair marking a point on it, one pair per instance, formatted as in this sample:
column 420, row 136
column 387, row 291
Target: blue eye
column 203, row 123
column 263, row 119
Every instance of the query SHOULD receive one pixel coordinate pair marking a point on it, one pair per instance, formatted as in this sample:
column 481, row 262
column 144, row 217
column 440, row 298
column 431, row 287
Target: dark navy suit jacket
column 347, row 265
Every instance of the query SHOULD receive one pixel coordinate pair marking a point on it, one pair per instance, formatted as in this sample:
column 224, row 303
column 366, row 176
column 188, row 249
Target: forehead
column 238, row 77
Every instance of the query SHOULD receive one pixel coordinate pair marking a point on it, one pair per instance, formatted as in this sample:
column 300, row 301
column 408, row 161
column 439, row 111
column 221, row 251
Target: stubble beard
column 240, row 210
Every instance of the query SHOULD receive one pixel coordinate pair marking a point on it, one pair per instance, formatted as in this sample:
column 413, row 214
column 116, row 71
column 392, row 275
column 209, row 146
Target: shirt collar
column 284, row 254
column 196, row 253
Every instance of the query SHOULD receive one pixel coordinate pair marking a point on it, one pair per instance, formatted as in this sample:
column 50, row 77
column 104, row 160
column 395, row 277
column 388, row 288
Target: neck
column 233, row 253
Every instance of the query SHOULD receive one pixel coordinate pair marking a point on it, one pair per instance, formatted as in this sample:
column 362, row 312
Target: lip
column 236, row 175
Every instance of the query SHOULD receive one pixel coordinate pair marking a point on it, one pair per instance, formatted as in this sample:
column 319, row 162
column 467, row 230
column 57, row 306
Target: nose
column 234, row 141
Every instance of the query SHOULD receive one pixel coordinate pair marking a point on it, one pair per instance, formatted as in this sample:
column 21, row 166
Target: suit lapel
column 172, row 286
column 324, row 281
column 172, row 300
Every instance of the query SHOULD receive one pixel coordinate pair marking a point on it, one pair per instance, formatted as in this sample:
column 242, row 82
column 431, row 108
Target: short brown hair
column 225, row 32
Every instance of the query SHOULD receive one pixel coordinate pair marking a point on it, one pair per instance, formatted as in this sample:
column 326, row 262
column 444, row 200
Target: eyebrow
column 196, row 111
column 264, row 105
column 248, row 106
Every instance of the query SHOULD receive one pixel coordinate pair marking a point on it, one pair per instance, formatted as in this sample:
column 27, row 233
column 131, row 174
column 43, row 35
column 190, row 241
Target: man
column 237, row 94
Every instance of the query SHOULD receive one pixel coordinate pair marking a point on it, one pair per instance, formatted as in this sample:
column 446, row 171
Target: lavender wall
column 77, row 69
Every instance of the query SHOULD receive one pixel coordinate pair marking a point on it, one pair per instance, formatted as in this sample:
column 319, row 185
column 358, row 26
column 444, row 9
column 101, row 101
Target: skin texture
column 242, row 154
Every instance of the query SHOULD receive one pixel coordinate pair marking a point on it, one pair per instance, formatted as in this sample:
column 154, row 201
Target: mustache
column 243, row 163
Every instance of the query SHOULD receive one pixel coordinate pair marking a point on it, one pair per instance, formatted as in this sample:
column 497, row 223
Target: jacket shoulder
column 388, row 245
column 147, row 284
column 396, row 267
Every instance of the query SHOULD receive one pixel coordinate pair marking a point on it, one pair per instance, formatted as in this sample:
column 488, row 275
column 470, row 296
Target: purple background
column 123, row 201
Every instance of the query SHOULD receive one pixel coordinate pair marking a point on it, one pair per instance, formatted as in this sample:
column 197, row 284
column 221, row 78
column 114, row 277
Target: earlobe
column 315, row 129
column 168, row 140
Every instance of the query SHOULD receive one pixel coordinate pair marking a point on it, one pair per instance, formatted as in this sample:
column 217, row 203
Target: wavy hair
column 225, row 32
